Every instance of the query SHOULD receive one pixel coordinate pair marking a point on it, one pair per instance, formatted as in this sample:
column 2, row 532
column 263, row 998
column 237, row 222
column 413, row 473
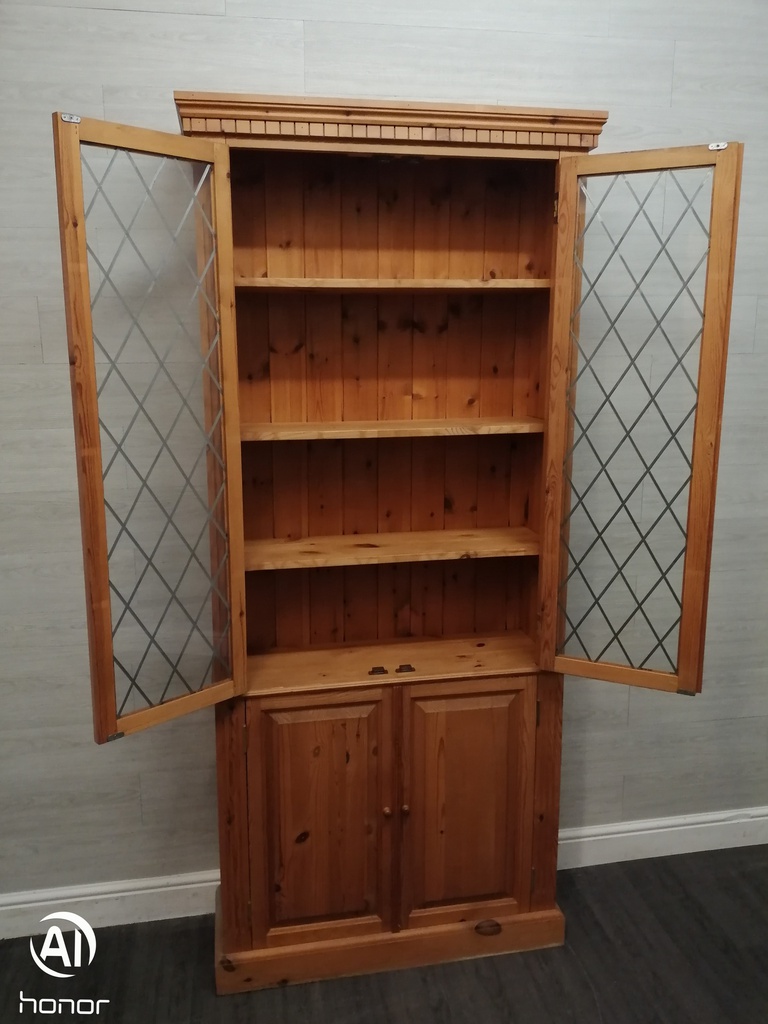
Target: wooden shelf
column 350, row 665
column 376, row 284
column 389, row 428
column 376, row 548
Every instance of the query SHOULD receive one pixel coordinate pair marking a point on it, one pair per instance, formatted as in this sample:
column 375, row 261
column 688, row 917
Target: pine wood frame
column 68, row 137
column 711, row 387
column 316, row 677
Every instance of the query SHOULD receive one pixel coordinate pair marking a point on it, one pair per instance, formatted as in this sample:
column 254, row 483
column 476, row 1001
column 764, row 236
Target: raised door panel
column 468, row 777
column 319, row 787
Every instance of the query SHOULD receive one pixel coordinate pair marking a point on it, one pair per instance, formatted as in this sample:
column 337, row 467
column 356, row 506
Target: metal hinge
column 245, row 737
column 556, row 209
column 716, row 146
column 70, row 118
column 533, row 879
column 538, row 713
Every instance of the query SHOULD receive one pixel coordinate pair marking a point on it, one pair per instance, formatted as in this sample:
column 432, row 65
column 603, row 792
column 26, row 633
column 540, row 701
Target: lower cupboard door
column 467, row 806
column 319, row 778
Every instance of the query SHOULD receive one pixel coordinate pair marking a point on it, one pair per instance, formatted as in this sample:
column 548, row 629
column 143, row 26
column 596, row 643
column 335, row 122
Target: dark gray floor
column 678, row 940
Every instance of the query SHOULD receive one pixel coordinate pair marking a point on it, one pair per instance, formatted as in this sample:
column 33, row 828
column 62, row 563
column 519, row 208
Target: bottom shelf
column 335, row 667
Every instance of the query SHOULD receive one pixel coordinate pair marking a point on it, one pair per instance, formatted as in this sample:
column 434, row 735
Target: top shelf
column 383, row 284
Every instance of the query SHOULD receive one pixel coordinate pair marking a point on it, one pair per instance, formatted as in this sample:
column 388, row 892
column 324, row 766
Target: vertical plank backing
column 491, row 601
column 322, row 217
column 494, row 469
column 394, row 516
column 466, row 256
column 462, row 387
column 291, row 512
column 430, row 312
column 395, row 357
column 430, row 337
column 396, row 219
column 497, row 356
column 360, row 516
column 260, row 620
column 325, row 384
column 502, row 220
column 359, row 218
column 428, row 455
column 432, row 211
column 253, row 357
column 359, row 357
column 537, row 220
column 461, row 489
column 284, row 197
column 326, row 518
column 287, row 358
column 258, row 496
column 249, row 227
column 530, row 340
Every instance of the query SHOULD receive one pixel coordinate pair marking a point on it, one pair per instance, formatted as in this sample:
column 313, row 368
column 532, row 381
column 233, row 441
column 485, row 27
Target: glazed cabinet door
column 641, row 307
column 467, row 800
column 146, row 239
column 320, row 793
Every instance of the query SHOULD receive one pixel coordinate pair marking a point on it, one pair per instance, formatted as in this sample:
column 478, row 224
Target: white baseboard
column 108, row 903
column 662, row 837
column 155, row 899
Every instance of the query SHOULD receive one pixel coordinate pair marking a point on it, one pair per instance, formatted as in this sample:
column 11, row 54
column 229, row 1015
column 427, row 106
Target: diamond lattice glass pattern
column 151, row 251
column 635, row 336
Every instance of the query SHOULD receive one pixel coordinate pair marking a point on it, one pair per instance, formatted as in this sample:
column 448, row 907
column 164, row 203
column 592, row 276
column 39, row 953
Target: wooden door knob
column 405, row 810
column 387, row 812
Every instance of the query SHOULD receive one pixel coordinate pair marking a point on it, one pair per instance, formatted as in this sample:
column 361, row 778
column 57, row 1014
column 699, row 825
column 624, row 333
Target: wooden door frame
column 69, row 133
column 711, row 381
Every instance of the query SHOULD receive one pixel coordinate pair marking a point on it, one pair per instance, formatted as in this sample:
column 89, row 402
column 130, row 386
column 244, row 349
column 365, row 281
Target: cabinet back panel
column 330, row 215
column 295, row 489
column 310, row 357
column 298, row 608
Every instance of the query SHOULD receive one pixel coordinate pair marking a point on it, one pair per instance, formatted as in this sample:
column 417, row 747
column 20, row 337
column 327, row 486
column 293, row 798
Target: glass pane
column 635, row 335
column 151, row 251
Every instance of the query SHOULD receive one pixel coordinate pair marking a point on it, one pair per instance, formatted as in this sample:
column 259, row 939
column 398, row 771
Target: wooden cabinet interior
column 392, row 319
column 395, row 458
column 355, row 539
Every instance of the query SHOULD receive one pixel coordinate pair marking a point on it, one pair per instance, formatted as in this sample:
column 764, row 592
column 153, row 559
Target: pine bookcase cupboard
column 387, row 416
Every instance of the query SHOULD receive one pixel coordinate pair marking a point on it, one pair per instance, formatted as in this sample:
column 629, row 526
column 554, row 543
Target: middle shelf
column 376, row 548
column 341, row 429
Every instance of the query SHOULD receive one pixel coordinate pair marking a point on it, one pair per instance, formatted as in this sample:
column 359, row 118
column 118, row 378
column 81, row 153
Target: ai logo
column 55, row 948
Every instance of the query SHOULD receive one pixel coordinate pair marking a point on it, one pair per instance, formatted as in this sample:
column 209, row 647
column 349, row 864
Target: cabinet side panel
column 233, row 826
column 546, row 807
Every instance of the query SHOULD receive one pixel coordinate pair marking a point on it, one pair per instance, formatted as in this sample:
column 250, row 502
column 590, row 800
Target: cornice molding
column 304, row 119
